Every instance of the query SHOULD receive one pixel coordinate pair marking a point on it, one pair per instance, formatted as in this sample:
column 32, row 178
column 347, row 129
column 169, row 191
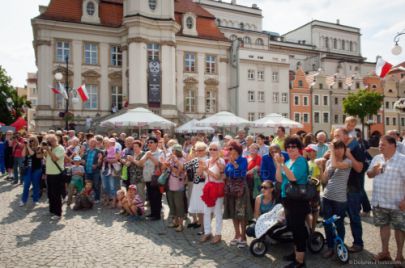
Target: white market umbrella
column 139, row 117
column 224, row 119
column 191, row 127
column 274, row 120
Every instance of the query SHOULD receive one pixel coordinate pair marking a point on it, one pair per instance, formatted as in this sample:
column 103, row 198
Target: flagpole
column 67, row 93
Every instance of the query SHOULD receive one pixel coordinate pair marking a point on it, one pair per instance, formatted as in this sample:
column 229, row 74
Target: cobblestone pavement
column 102, row 238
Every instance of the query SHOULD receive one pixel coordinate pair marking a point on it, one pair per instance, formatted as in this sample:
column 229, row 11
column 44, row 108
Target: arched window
column 247, row 40
column 90, row 8
column 233, row 37
column 259, row 42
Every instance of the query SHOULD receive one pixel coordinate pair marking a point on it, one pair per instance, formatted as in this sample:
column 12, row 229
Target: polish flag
column 83, row 93
column 382, row 67
column 63, row 91
column 55, row 90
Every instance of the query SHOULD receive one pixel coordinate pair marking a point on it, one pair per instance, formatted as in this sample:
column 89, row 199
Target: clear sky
column 379, row 21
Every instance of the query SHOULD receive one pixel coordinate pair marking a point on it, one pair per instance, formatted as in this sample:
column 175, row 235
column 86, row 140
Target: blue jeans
column 353, row 209
column 18, row 164
column 34, row 177
column 95, row 179
column 111, row 185
column 2, row 165
column 331, row 208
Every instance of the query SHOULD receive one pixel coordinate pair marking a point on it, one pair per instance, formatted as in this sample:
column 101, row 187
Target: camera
column 44, row 143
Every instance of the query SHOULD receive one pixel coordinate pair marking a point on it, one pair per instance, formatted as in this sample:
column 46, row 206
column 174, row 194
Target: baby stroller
column 271, row 228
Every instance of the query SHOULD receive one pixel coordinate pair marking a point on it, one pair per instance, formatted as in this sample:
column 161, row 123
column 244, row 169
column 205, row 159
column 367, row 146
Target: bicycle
column 342, row 253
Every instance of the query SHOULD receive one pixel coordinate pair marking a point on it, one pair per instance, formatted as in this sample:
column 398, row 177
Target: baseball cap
column 77, row 158
column 177, row 147
column 311, row 148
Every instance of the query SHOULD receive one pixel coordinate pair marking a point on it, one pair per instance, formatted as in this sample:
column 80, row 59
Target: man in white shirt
column 388, row 198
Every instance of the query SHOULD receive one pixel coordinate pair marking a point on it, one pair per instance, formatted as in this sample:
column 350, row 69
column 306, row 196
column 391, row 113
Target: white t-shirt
column 149, row 167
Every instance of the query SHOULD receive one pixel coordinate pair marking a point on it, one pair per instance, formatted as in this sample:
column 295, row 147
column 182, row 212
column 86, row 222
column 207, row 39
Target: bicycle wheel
column 342, row 253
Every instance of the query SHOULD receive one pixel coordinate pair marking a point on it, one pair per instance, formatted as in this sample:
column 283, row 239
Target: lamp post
column 59, row 77
column 397, row 49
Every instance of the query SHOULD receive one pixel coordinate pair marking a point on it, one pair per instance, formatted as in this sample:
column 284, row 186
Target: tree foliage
column 362, row 104
column 12, row 106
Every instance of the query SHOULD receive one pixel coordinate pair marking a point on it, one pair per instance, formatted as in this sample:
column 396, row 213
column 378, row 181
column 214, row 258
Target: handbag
column 304, row 192
column 63, row 173
column 162, row 180
column 234, row 187
column 124, row 173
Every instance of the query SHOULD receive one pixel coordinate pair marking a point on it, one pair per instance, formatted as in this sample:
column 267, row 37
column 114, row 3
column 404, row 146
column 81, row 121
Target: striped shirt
column 389, row 186
column 336, row 189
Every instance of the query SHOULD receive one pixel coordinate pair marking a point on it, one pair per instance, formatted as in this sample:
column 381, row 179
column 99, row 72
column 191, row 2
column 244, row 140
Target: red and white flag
column 54, row 90
column 84, row 95
column 63, row 91
column 382, row 67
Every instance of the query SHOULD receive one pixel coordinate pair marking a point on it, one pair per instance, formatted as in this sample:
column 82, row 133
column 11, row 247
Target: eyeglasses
column 265, row 187
column 292, row 147
column 200, row 150
column 213, row 149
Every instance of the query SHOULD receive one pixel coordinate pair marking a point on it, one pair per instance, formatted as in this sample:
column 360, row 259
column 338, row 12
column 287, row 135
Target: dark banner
column 154, row 83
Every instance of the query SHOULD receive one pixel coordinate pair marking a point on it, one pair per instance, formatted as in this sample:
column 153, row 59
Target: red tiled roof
column 111, row 15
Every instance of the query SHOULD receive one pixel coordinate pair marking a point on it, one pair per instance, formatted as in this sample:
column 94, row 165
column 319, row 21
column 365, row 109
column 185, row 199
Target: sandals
column 179, row 228
column 205, row 238
column 382, row 257
column 216, row 239
column 234, row 242
column 242, row 244
column 173, row 225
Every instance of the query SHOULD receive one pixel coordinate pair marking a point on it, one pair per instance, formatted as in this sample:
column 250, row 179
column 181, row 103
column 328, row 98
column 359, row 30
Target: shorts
column 78, row 184
column 385, row 216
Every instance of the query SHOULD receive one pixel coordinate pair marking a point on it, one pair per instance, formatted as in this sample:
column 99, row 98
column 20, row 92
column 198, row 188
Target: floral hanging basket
column 400, row 105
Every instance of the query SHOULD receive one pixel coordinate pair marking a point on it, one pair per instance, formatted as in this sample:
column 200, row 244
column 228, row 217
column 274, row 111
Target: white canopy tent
column 274, row 120
column 224, row 119
column 191, row 127
column 139, row 117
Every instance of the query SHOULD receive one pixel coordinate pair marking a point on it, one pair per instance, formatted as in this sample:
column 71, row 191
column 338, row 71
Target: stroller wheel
column 258, row 248
column 342, row 253
column 316, row 241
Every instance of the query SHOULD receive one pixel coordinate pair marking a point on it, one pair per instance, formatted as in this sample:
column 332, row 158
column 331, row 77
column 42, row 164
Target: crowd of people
column 221, row 177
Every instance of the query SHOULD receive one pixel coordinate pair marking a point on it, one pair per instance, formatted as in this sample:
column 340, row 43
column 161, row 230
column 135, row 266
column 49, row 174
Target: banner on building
column 154, row 83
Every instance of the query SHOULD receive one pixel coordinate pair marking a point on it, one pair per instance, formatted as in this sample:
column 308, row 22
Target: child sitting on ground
column 85, row 200
column 120, row 198
column 132, row 203
column 76, row 183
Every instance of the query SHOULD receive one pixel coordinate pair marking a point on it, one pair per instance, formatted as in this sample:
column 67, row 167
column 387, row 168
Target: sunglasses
column 292, row 147
column 199, row 150
column 212, row 149
column 265, row 187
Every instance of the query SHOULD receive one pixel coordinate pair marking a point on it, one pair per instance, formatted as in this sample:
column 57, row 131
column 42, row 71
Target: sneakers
column 242, row 244
column 55, row 218
column 21, row 204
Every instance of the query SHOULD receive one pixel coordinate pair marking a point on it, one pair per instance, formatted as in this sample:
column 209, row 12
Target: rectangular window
column 297, row 117
column 189, row 62
column 306, row 117
column 251, row 74
column 210, row 64
column 92, row 103
column 251, row 116
column 260, row 96
column 394, row 121
column 275, row 97
column 379, row 121
column 116, row 56
column 153, row 51
column 340, row 85
column 260, row 75
column 320, row 86
column 284, row 97
column 336, row 101
column 116, row 97
column 325, row 117
column 190, row 101
column 296, row 100
column 300, row 83
column 260, row 115
column 387, row 121
column 316, row 117
column 62, row 51
column 402, row 122
column 275, row 76
column 90, row 54
column 357, row 85
column 210, row 101
column 251, row 96
column 305, row 98
column 316, row 99
column 336, row 119
column 343, row 118
column 325, row 100
column 387, row 105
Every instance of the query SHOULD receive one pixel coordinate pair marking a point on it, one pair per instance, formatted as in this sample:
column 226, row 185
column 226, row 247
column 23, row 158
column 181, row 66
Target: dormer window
column 190, row 23
column 152, row 4
column 90, row 8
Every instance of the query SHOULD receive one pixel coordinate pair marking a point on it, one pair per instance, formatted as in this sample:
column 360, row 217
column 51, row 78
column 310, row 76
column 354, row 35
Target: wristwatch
column 282, row 165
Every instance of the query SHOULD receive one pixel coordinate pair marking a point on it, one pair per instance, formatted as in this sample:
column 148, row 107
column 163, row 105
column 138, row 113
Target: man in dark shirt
column 357, row 156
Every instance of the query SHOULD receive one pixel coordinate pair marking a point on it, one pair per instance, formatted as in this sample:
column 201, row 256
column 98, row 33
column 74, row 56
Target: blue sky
column 379, row 21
